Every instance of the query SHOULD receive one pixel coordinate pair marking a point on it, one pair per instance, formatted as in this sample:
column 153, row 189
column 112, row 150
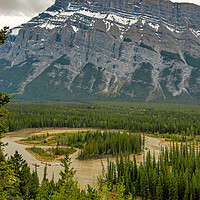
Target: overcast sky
column 16, row 12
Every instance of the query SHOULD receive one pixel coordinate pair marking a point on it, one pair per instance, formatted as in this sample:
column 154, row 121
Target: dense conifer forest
column 175, row 176
column 21, row 183
column 93, row 144
column 134, row 117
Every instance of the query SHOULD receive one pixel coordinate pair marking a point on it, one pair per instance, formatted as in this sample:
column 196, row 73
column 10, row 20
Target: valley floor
column 87, row 171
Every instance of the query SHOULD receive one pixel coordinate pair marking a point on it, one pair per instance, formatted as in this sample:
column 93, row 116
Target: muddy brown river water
column 87, row 171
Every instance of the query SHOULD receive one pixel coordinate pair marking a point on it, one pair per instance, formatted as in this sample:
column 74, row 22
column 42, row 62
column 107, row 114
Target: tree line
column 93, row 144
column 110, row 143
column 131, row 117
column 20, row 183
column 176, row 175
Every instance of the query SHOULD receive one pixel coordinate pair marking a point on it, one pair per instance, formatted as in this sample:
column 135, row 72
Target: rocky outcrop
column 79, row 49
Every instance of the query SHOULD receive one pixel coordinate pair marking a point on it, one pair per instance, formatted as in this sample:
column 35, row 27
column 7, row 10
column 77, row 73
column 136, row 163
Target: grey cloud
column 30, row 8
column 23, row 7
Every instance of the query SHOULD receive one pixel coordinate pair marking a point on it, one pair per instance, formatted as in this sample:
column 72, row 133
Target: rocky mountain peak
column 181, row 15
column 95, row 49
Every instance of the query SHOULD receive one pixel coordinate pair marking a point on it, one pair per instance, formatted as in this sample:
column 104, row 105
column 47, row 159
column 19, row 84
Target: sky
column 16, row 12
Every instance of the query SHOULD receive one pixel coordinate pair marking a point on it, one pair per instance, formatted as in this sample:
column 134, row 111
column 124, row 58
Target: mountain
column 137, row 50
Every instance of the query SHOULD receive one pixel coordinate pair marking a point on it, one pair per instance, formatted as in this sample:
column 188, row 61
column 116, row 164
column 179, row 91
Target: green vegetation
column 133, row 117
column 88, row 72
column 93, row 144
column 110, row 143
column 4, row 63
column 142, row 80
column 99, row 81
column 177, row 137
column 3, row 34
column 27, row 183
column 175, row 176
column 146, row 46
column 143, row 73
column 192, row 61
column 17, row 73
column 167, row 56
column 16, row 179
column 37, row 139
column 7, row 181
column 63, row 60
column 50, row 154
column 127, row 40
column 50, row 86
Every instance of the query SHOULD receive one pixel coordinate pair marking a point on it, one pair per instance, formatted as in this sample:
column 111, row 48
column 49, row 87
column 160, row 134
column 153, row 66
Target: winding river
column 86, row 171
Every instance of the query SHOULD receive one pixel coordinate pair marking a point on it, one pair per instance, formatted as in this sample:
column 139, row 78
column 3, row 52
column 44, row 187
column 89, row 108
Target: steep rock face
column 80, row 49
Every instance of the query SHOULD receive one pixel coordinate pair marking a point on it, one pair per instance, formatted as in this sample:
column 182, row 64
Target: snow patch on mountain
column 52, row 13
column 75, row 29
column 15, row 31
column 48, row 26
column 154, row 26
column 196, row 33
column 121, row 20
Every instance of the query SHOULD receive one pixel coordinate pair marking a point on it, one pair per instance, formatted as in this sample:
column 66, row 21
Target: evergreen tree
column 7, row 180
column 3, row 34
column 34, row 185
column 66, row 184
column 159, row 190
column 45, row 172
column 17, row 162
column 4, row 99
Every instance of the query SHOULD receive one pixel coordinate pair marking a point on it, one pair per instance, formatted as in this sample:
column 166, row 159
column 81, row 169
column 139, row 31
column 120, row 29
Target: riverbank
column 51, row 130
column 92, row 144
column 87, row 171
column 48, row 155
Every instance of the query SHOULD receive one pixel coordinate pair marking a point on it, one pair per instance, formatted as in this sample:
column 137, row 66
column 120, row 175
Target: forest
column 93, row 144
column 174, row 176
column 133, row 117
column 20, row 183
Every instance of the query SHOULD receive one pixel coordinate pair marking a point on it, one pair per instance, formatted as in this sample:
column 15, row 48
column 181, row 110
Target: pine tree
column 4, row 99
column 25, row 184
column 135, row 169
column 34, row 184
column 7, row 179
column 17, row 162
column 3, row 34
column 45, row 172
column 159, row 190
column 143, row 184
column 187, row 192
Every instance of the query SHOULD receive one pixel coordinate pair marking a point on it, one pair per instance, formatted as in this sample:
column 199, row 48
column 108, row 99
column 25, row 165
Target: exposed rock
column 140, row 50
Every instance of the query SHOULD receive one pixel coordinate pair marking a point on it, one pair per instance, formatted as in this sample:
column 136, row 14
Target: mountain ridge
column 96, row 49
